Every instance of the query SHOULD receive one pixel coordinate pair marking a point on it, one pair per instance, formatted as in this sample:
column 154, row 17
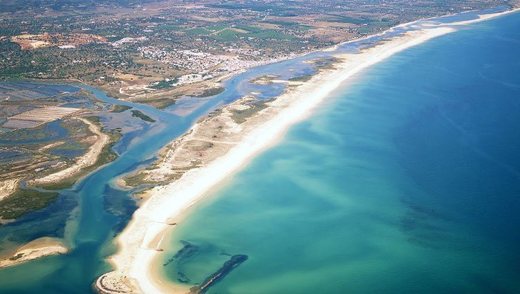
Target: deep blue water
column 406, row 181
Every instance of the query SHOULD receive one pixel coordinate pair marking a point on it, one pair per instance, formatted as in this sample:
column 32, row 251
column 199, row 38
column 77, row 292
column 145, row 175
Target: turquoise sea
column 407, row 180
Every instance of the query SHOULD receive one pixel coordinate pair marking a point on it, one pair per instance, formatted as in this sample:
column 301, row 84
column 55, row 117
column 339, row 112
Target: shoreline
column 38, row 248
column 139, row 243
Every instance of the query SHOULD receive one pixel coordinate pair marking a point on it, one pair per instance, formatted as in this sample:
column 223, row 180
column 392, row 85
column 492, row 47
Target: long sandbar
column 139, row 244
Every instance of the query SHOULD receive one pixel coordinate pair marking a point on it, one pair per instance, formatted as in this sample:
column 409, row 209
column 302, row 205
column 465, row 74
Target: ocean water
column 407, row 180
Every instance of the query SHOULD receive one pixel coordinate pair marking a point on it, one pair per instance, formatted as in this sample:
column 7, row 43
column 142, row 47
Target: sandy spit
column 139, row 244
